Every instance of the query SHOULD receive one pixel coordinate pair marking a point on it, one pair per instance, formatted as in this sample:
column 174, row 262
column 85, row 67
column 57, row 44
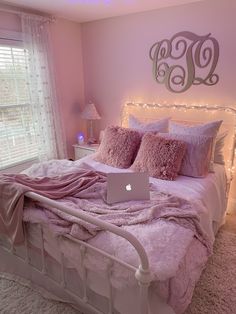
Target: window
column 17, row 135
column 30, row 124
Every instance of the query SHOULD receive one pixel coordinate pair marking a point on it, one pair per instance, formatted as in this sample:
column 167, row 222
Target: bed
column 100, row 275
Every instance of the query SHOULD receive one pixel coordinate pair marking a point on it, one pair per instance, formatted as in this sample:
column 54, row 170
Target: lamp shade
column 90, row 112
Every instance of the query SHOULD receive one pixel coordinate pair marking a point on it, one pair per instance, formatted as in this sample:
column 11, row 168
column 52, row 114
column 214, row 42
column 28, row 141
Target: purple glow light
column 80, row 138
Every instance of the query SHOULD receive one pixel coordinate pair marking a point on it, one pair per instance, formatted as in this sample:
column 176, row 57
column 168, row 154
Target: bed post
column 144, row 278
column 142, row 274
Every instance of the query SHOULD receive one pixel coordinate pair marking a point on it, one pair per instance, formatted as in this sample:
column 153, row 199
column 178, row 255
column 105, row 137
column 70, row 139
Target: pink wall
column 117, row 67
column 67, row 50
column 10, row 22
column 67, row 53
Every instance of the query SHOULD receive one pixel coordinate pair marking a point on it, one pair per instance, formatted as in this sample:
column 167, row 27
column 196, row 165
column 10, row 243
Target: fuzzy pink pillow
column 160, row 157
column 196, row 161
column 118, row 147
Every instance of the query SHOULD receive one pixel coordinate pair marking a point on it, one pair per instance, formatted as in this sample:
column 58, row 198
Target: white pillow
column 156, row 126
column 219, row 145
column 208, row 129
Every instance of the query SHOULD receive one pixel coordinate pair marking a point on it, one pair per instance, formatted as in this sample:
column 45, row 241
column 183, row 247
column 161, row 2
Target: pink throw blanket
column 13, row 187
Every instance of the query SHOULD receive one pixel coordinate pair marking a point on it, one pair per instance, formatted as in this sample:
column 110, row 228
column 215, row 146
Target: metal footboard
column 142, row 273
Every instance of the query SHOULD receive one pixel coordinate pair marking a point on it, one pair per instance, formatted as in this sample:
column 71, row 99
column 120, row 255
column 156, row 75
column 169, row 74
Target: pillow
column 118, row 147
column 160, row 157
column 208, row 129
column 219, row 145
column 156, row 126
column 196, row 161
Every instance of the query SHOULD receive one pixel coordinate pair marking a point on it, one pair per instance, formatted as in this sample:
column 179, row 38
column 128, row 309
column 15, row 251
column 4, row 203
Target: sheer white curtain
column 40, row 80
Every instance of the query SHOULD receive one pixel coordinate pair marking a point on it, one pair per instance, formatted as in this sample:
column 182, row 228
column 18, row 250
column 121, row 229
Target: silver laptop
column 127, row 186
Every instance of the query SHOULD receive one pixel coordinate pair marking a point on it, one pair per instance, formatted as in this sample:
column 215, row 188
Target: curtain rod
column 11, row 39
column 21, row 12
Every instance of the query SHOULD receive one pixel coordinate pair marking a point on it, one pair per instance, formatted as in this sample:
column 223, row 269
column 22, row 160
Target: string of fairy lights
column 129, row 107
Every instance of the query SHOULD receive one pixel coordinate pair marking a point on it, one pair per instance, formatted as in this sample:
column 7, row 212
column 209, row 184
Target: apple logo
column 128, row 187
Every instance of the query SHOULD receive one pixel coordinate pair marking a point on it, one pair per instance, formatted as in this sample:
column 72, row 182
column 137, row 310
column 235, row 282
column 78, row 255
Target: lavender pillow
column 160, row 157
column 208, row 129
column 118, row 147
column 196, row 161
column 156, row 126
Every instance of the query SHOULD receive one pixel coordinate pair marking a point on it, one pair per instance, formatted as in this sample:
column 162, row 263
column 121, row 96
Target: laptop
column 127, row 186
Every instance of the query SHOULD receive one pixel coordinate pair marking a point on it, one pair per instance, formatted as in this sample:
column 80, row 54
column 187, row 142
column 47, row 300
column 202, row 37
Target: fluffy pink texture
column 160, row 157
column 196, row 160
column 155, row 126
column 118, row 147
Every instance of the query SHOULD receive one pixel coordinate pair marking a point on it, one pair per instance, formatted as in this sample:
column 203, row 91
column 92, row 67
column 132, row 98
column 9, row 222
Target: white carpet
column 18, row 298
column 215, row 292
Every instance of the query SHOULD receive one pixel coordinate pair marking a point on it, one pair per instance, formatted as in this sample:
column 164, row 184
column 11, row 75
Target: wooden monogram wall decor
column 197, row 57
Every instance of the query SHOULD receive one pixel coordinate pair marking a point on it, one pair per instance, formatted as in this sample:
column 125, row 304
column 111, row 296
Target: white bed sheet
column 210, row 191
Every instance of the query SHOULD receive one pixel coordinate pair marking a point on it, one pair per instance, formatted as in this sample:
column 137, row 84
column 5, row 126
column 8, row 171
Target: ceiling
column 89, row 10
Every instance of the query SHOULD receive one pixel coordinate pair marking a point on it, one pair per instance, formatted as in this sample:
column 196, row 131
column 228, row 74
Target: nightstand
column 82, row 150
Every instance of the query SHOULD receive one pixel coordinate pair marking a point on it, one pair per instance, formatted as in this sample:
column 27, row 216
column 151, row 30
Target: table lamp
column 90, row 113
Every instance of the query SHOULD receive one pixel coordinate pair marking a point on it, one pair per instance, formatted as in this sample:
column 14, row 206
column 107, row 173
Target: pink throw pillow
column 118, row 147
column 160, row 157
column 196, row 161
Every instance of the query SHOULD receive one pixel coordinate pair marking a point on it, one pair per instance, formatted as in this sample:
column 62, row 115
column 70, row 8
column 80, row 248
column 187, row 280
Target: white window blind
column 17, row 134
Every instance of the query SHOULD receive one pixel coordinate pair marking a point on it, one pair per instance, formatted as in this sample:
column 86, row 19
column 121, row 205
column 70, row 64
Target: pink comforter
column 90, row 185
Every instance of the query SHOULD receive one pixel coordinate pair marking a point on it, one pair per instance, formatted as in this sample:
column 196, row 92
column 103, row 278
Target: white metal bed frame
column 142, row 273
